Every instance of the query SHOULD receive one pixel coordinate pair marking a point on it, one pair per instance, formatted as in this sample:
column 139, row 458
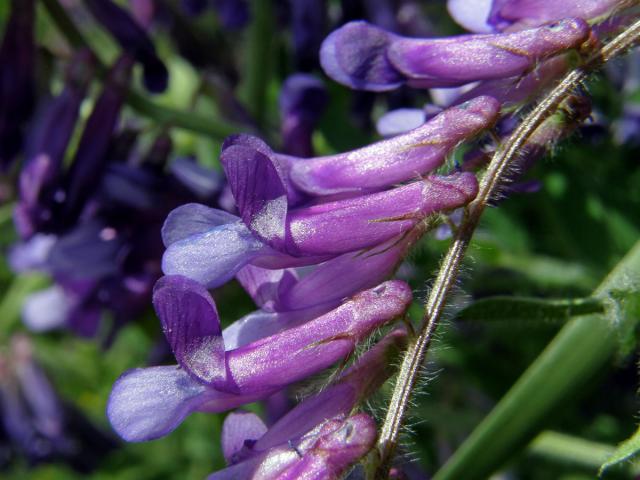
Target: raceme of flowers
column 314, row 240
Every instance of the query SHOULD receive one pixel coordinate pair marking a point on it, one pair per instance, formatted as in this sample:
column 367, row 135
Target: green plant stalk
column 570, row 450
column 447, row 275
column 258, row 55
column 579, row 350
column 164, row 116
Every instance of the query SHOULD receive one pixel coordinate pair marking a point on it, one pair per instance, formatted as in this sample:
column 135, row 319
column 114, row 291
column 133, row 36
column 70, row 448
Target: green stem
column 573, row 451
column 165, row 116
column 258, row 56
column 447, row 276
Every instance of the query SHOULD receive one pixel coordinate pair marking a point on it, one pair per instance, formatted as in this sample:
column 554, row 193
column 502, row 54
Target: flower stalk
column 446, row 278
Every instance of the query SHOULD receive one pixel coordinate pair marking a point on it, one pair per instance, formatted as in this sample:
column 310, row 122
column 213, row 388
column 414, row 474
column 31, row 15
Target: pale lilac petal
column 147, row 403
column 192, row 219
column 31, row 254
column 239, row 429
column 213, row 257
column 47, row 309
column 472, row 14
column 400, row 121
column 191, row 324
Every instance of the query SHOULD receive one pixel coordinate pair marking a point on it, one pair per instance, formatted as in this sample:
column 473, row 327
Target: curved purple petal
column 472, row 14
column 401, row 120
column 355, row 55
column 260, row 191
column 193, row 219
column 239, row 430
column 213, row 257
column 266, row 286
column 147, row 403
column 191, row 324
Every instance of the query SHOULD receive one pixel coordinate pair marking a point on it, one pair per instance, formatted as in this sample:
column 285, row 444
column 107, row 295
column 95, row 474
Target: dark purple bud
column 47, row 145
column 91, row 156
column 133, row 40
column 303, row 100
column 363, row 56
column 17, row 78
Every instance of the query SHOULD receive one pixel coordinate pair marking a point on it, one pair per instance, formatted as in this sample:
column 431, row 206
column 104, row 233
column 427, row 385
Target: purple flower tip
column 356, row 55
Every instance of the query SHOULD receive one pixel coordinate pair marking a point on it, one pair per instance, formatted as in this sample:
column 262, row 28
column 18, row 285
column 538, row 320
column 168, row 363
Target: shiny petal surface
column 191, row 324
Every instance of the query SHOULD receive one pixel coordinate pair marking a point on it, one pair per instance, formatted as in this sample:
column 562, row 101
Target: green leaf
column 520, row 309
column 625, row 451
column 582, row 348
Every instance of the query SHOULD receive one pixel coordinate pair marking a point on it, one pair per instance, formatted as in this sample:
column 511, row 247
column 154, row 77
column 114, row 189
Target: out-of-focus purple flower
column 133, row 40
column 308, row 24
column 91, row 155
column 366, row 57
column 303, row 100
column 511, row 15
column 17, row 78
column 149, row 403
column 42, row 172
column 250, row 447
column 194, row 7
column 34, row 420
column 233, row 14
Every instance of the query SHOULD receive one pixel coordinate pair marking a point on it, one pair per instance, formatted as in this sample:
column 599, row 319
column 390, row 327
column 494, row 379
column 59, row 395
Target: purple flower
column 42, row 172
column 34, row 421
column 499, row 15
column 303, row 100
column 233, row 14
column 366, row 57
column 149, row 403
column 133, row 40
column 17, row 80
column 308, row 24
column 250, row 448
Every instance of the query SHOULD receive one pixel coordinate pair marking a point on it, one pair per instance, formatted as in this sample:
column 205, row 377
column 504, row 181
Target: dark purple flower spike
column 55, row 124
column 17, row 80
column 366, row 57
column 148, row 403
column 133, row 40
column 91, row 156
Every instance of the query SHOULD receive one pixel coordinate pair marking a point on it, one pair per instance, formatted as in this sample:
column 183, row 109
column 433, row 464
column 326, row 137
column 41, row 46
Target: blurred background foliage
column 558, row 242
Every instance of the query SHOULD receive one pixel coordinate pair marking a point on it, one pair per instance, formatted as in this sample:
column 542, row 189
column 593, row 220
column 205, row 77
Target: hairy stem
column 450, row 266
column 165, row 116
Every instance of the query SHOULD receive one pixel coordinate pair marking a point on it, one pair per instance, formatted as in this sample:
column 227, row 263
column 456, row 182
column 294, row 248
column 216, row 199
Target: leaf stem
column 165, row 116
column 450, row 266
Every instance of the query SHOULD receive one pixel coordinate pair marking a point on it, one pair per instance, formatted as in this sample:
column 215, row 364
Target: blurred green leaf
column 625, row 451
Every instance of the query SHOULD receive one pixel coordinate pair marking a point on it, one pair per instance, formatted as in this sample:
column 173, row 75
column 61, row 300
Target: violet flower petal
column 213, row 257
column 191, row 324
column 192, row 219
column 401, row 120
column 258, row 186
column 347, row 225
column 238, row 429
column 296, row 353
column 266, row 286
column 147, row 403
column 397, row 159
column 355, row 55
column 468, row 58
column 472, row 14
